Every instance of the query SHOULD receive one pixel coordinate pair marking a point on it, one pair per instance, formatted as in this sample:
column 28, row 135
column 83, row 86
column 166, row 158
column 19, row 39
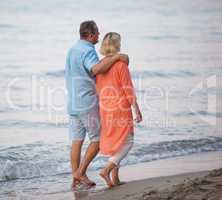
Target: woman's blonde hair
column 110, row 44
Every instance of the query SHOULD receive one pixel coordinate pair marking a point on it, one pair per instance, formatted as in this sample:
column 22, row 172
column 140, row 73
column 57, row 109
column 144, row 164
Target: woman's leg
column 105, row 173
column 118, row 157
column 115, row 176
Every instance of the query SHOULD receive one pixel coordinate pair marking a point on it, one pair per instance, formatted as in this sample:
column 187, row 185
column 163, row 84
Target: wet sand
column 194, row 177
column 189, row 186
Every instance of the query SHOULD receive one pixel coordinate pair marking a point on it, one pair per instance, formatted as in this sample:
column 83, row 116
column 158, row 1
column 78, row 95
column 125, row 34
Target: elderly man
column 82, row 64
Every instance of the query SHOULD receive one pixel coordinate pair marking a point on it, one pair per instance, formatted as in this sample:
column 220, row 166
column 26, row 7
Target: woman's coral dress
column 116, row 95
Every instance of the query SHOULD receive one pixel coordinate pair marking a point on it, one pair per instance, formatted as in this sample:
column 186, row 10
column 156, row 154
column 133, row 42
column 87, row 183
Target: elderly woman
column 116, row 97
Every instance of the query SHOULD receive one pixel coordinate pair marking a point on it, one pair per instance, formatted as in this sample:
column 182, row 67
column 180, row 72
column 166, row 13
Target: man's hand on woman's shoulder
column 124, row 58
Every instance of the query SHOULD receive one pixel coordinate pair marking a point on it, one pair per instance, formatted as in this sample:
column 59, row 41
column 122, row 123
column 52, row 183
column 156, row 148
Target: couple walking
column 100, row 97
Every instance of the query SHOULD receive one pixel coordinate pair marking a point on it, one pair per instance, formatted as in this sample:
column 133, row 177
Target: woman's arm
column 128, row 89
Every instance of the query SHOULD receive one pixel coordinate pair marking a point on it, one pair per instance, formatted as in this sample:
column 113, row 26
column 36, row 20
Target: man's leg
column 76, row 155
column 91, row 122
column 90, row 154
column 77, row 135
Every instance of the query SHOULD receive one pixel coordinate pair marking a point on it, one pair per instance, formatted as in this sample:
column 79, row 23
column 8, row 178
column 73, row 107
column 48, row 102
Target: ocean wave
column 7, row 26
column 161, row 37
column 57, row 74
column 18, row 107
column 13, row 67
column 32, row 160
column 207, row 91
column 39, row 160
column 29, row 124
column 163, row 74
column 201, row 112
column 140, row 74
column 176, row 148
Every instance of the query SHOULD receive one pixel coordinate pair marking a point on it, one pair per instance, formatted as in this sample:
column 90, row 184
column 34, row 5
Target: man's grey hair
column 87, row 28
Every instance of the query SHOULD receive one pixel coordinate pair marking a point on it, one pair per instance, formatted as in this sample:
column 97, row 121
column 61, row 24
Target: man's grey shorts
column 81, row 124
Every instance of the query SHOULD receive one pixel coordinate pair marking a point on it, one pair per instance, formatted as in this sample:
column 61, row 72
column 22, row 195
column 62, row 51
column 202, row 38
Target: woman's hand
column 138, row 114
column 139, row 117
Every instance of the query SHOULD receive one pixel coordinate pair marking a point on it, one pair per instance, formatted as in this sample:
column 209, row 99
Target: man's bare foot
column 83, row 179
column 106, row 177
column 75, row 182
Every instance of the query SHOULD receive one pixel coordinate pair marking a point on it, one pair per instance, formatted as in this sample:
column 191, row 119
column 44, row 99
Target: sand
column 198, row 176
column 189, row 186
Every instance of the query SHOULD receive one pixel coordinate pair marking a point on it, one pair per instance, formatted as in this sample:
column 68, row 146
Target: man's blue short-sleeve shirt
column 80, row 83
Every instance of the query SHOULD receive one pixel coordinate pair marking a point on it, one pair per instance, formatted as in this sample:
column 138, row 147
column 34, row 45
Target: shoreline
column 155, row 177
column 188, row 186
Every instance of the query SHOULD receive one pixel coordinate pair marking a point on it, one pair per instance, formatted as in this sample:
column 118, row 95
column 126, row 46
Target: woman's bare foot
column 115, row 177
column 105, row 175
column 120, row 183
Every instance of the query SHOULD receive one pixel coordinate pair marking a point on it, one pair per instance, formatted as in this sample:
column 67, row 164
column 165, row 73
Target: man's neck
column 85, row 39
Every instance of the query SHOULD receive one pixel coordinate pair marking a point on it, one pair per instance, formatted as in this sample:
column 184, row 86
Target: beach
column 192, row 177
column 175, row 64
column 188, row 186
